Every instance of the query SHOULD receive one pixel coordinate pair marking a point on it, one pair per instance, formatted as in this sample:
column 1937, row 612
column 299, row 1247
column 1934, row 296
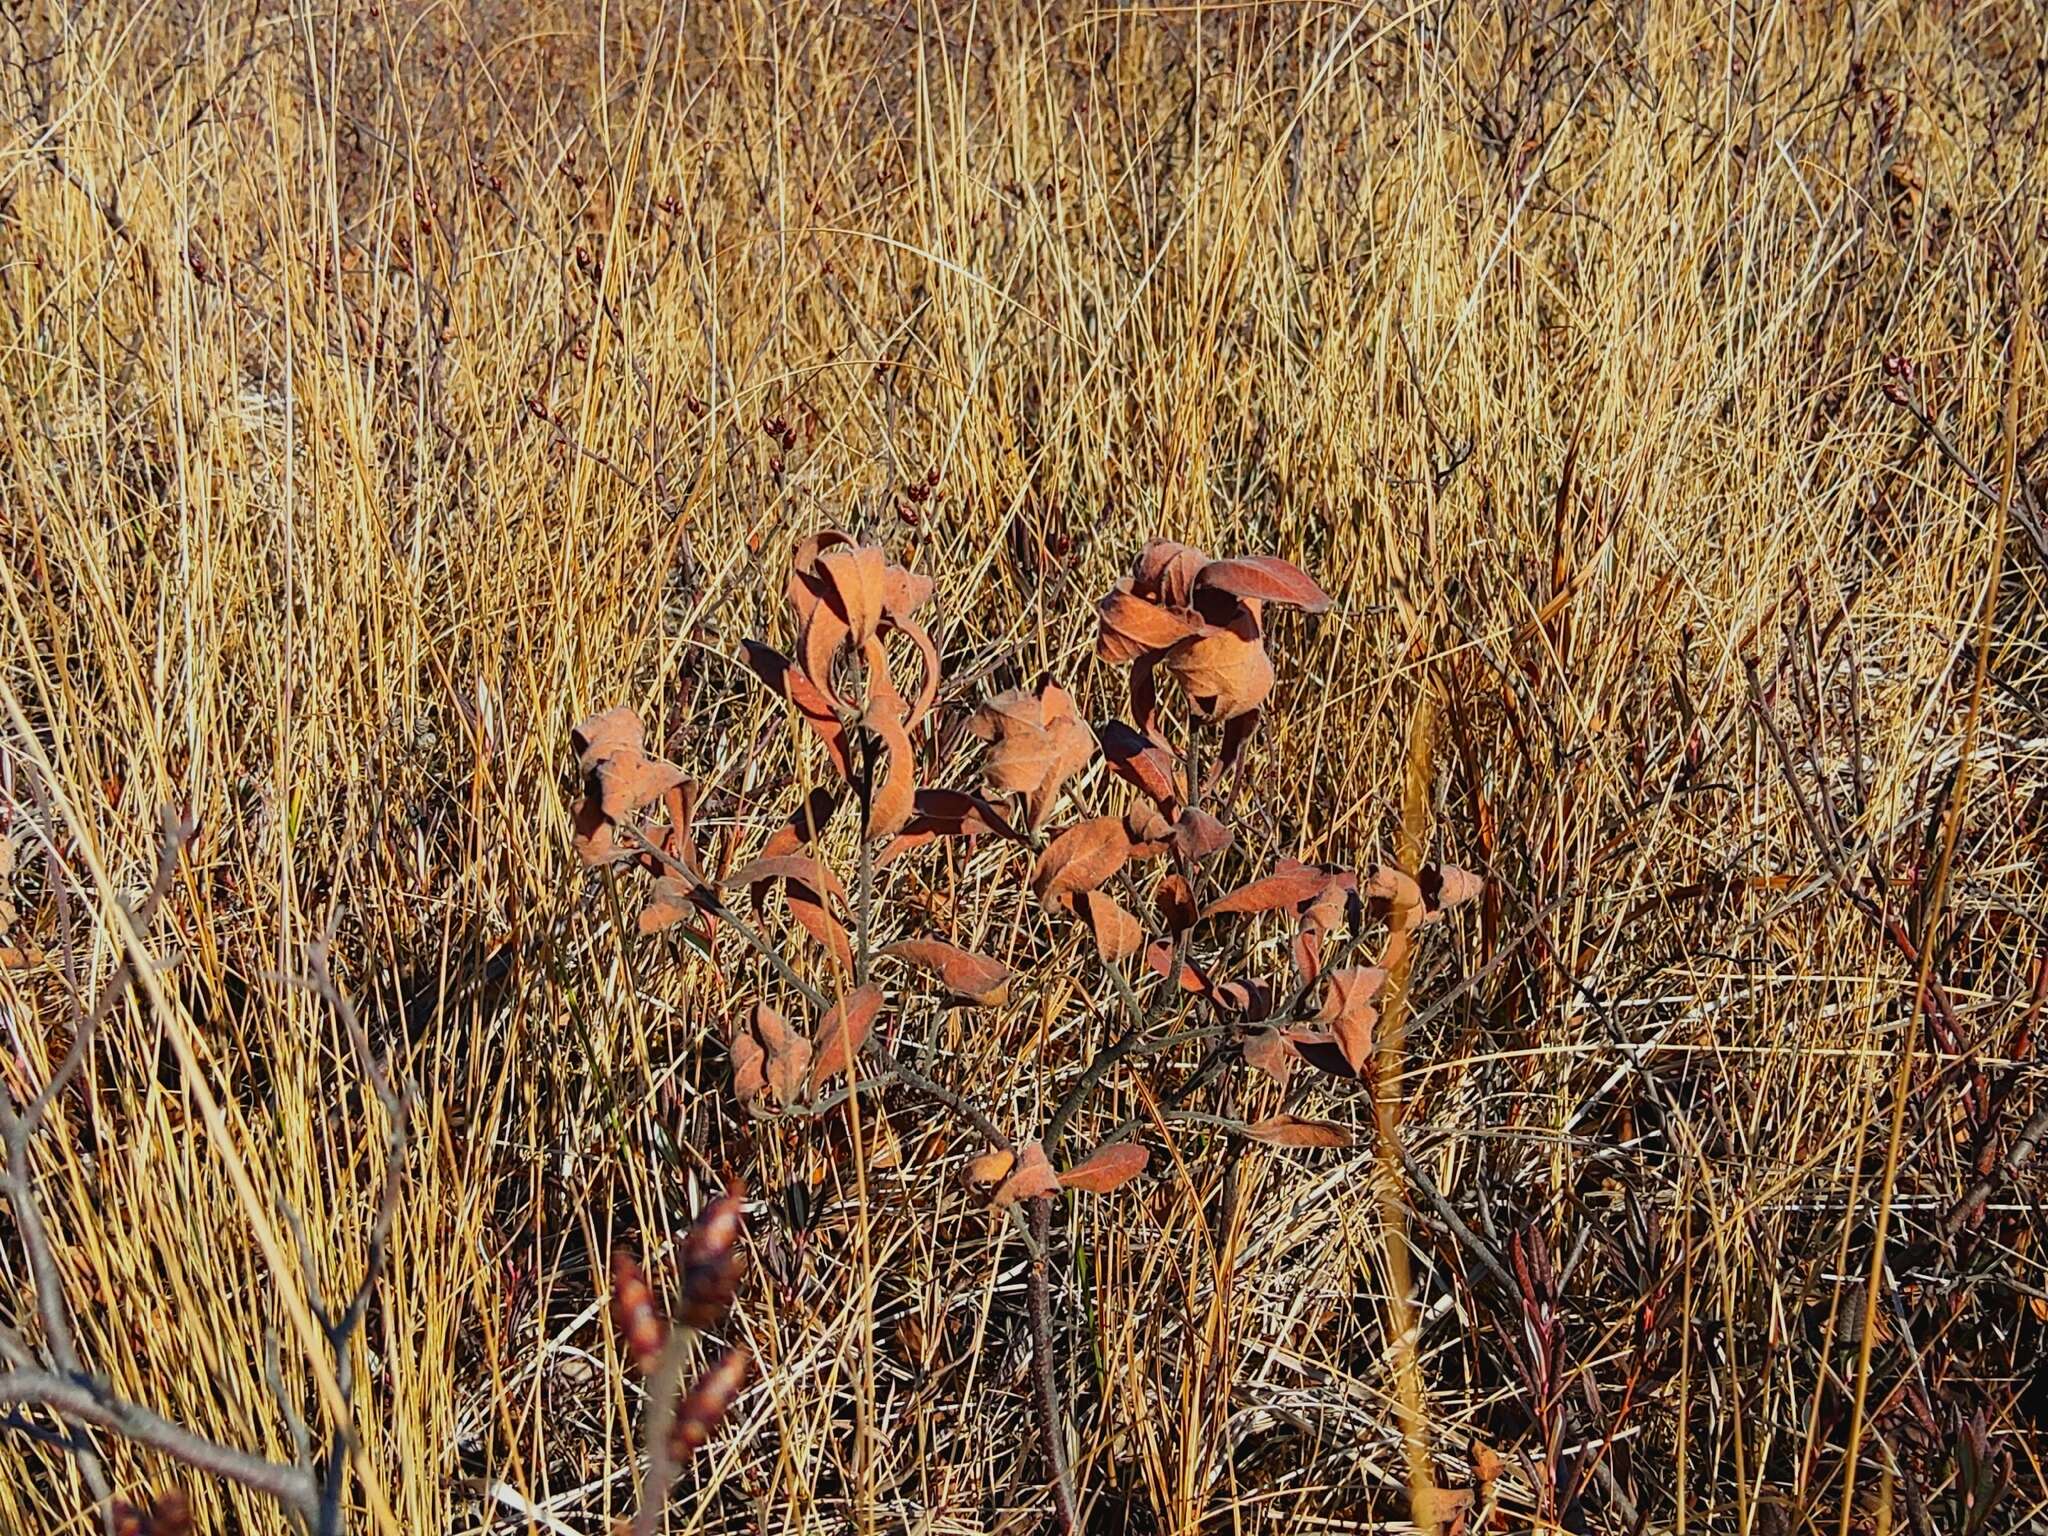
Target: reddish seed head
column 639, row 1321
column 712, row 1260
column 697, row 1415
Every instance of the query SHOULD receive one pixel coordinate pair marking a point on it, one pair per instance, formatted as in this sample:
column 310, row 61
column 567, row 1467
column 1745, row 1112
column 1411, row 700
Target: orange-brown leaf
column 795, row 868
column 1106, row 1167
column 1265, row 578
column 1139, row 761
column 782, row 677
column 1031, row 1177
column 1394, row 896
column 1176, row 905
column 963, row 972
column 1293, row 1131
column 1117, row 934
column 1445, row 886
column 857, row 586
column 1167, row 570
column 1197, row 835
column 895, row 798
column 749, row 1068
column 599, row 736
column 991, row 1167
column 1223, row 674
column 1128, row 626
column 1270, row 1052
column 842, row 1032
column 1284, row 888
column 1080, row 859
column 789, row 1053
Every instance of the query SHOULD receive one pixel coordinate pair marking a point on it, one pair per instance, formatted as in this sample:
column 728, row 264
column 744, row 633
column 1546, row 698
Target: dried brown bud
column 639, row 1320
column 697, row 1415
column 712, row 1260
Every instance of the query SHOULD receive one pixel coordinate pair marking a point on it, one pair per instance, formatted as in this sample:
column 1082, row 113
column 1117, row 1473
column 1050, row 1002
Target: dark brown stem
column 1046, row 1367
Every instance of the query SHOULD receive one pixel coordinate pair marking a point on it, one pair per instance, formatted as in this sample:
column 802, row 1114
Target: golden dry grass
column 384, row 389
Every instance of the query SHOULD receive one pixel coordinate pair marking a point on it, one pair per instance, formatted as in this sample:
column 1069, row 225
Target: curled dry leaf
column 1031, row 1177
column 1038, row 742
column 1223, row 674
column 964, row 973
column 1107, row 1167
column 895, row 798
column 782, row 677
column 1159, row 958
column 1348, row 1011
column 749, row 1069
column 669, row 902
column 788, row 1052
column 947, row 813
column 848, row 596
column 1166, row 571
column 1129, row 626
column 841, row 1034
column 619, row 779
column 1263, row 578
column 1080, row 859
column 1117, row 934
column 1271, row 1052
column 1445, row 886
column 1293, row 1131
column 1394, row 896
column 792, row 868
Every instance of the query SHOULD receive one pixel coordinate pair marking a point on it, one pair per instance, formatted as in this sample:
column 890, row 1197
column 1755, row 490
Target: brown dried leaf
column 1293, row 1131
column 841, row 1034
column 1033, row 1176
column 1197, row 835
column 1117, row 934
column 1192, row 978
column 1266, row 579
column 749, row 1069
column 895, row 798
column 1348, row 990
column 782, row 677
column 947, row 813
column 1140, row 762
column 1039, row 742
column 1271, row 1052
column 1445, row 886
column 1282, row 888
column 991, row 1167
column 1395, row 896
column 600, row 735
column 795, row 868
column 789, row 1053
column 1166, row 571
column 668, row 903
column 1080, row 859
column 1128, row 626
column 1176, row 905
column 1107, row 1167
column 857, row 585
column 962, row 972
column 1223, row 674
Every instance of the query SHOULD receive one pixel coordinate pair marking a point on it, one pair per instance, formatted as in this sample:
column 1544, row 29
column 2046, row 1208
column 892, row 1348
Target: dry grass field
column 386, row 388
